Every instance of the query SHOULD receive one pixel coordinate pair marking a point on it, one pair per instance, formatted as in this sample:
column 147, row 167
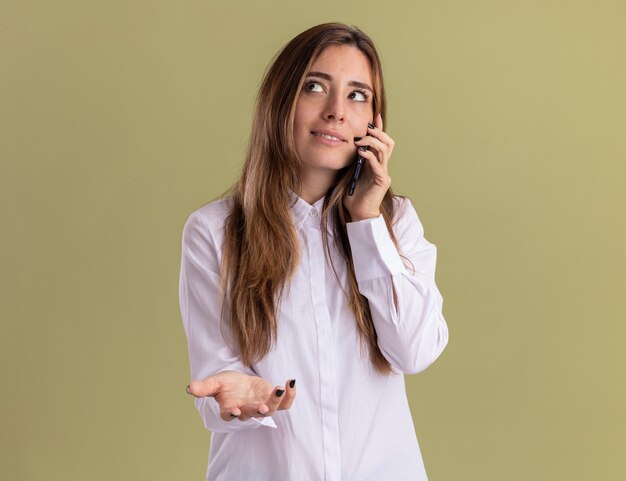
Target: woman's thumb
column 204, row 388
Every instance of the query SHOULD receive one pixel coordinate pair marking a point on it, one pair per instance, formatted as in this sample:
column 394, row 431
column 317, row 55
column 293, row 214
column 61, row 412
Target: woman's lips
column 327, row 139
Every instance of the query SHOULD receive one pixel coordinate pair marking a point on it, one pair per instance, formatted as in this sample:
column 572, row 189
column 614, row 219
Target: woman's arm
column 200, row 306
column 406, row 305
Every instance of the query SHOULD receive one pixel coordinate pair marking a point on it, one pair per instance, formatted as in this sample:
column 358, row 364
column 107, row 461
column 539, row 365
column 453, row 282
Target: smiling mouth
column 326, row 136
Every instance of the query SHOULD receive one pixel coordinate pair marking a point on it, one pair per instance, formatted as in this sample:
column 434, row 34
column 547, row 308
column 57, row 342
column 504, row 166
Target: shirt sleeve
column 201, row 311
column 411, row 329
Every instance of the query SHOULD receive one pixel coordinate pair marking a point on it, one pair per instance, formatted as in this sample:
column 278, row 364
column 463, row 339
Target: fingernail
column 233, row 415
column 292, row 383
column 370, row 125
column 187, row 390
column 363, row 148
column 262, row 414
column 279, row 392
column 356, row 139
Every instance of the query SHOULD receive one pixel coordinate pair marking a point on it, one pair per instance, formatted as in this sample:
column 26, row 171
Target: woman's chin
column 335, row 164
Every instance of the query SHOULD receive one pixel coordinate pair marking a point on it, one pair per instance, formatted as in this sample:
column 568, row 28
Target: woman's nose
column 334, row 108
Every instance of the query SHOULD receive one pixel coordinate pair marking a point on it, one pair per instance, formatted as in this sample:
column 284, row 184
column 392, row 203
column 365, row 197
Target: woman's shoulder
column 215, row 211
column 210, row 219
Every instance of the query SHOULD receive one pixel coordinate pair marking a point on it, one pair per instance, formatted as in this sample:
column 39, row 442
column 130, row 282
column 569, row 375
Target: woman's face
column 333, row 107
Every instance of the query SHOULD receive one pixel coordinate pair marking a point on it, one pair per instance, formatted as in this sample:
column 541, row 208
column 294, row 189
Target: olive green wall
column 120, row 118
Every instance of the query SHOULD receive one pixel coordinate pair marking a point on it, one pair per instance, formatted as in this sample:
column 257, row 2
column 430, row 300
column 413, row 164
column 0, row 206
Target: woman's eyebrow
column 352, row 83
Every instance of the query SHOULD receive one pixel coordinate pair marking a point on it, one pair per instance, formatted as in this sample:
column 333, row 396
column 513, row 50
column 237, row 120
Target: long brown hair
column 261, row 246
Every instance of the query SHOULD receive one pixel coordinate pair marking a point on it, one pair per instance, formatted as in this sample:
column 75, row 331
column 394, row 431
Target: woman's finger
column 383, row 151
column 290, row 395
column 229, row 407
column 249, row 411
column 284, row 402
column 378, row 133
column 230, row 414
column 374, row 144
column 204, row 388
column 378, row 170
column 274, row 401
column 375, row 154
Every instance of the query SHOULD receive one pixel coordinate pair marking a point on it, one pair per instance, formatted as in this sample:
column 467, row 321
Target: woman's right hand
column 242, row 396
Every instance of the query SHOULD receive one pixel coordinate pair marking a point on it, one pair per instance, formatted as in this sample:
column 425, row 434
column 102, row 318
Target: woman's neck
column 315, row 184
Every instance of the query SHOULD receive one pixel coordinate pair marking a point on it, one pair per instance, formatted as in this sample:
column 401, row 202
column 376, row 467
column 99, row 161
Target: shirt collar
column 305, row 213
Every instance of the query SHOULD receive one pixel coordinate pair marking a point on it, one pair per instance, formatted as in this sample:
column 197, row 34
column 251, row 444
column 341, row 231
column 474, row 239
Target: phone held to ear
column 359, row 166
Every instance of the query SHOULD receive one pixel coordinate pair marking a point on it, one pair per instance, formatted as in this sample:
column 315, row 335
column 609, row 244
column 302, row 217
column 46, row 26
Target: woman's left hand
column 374, row 182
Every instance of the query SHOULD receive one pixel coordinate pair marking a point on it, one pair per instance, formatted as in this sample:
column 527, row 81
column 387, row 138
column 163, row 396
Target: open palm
column 243, row 396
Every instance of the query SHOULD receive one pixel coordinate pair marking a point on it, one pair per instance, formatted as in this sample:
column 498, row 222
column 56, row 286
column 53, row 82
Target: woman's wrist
column 363, row 216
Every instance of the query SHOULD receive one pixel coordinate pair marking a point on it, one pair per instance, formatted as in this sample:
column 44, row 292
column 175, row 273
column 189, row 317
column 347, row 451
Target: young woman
column 292, row 278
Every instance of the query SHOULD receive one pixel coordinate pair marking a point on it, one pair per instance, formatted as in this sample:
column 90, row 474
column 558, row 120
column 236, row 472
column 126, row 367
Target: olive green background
column 119, row 118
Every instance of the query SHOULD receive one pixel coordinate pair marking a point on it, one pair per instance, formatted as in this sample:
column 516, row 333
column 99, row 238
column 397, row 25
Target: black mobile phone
column 357, row 170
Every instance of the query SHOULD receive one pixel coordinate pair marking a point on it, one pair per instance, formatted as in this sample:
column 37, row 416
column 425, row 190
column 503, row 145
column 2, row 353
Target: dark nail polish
column 356, row 139
column 292, row 383
column 370, row 125
column 187, row 390
column 279, row 392
column 363, row 148
column 233, row 415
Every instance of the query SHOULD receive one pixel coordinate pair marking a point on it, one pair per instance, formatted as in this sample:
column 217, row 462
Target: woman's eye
column 359, row 96
column 313, row 87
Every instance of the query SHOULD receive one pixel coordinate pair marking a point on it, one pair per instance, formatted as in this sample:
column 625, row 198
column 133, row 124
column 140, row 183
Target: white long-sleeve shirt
column 347, row 422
